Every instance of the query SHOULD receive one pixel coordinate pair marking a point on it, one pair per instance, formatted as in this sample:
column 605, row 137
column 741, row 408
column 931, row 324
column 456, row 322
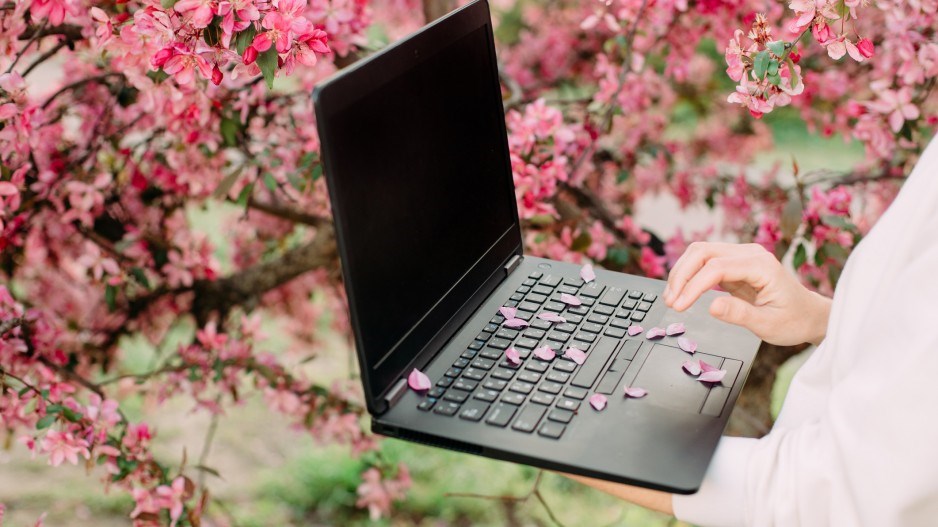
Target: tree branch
column 287, row 213
column 78, row 84
column 10, row 324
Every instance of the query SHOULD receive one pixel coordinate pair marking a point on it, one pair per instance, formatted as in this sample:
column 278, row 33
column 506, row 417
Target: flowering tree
column 164, row 107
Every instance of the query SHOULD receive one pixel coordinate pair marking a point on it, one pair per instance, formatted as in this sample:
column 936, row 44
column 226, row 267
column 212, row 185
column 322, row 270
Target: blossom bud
column 795, row 56
column 217, row 75
column 866, row 48
column 822, row 33
column 855, row 109
column 250, row 55
column 162, row 56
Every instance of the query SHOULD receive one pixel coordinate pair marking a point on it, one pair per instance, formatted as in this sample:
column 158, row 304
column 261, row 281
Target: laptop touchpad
column 668, row 384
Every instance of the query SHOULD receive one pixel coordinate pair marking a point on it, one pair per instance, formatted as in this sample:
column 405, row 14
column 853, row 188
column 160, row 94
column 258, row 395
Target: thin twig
column 4, row 373
column 31, row 41
column 45, row 56
column 535, row 492
column 77, row 84
column 11, row 324
column 207, row 446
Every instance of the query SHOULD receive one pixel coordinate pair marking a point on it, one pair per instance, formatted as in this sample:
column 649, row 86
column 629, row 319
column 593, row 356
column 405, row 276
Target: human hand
column 765, row 298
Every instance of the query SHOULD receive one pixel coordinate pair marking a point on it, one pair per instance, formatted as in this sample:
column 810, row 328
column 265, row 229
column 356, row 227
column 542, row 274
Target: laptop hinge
column 512, row 264
column 395, row 393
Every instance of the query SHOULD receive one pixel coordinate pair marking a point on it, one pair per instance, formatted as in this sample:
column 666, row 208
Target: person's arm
column 650, row 499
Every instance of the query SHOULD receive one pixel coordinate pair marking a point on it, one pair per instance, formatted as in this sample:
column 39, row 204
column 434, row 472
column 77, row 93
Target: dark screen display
column 420, row 168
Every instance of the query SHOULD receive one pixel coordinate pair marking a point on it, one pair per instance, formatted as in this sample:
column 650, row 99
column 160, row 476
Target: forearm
column 650, row 499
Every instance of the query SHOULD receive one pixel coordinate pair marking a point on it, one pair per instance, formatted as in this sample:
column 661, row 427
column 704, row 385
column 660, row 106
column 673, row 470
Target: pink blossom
column 63, row 446
column 53, row 10
column 172, row 497
column 898, row 105
column 652, row 264
column 378, row 494
column 184, row 63
column 198, row 12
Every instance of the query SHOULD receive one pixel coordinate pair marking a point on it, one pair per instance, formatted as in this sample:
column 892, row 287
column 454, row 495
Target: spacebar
column 595, row 362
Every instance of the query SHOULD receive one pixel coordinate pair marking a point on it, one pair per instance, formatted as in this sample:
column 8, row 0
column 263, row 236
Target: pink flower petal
column 570, row 299
column 508, row 312
column 598, row 401
column 635, row 392
column 551, row 317
column 635, row 330
column 587, row 273
column 513, row 357
column 712, row 376
column 655, row 333
column 692, row 367
column 687, row 344
column 516, row 323
column 704, row 367
column 676, row 329
column 545, row 353
column 419, row 381
column 576, row 355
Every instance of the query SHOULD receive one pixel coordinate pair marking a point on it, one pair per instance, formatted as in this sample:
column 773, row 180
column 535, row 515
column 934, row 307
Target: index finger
column 692, row 261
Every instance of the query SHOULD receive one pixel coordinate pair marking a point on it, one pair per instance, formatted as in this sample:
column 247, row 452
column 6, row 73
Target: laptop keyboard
column 542, row 395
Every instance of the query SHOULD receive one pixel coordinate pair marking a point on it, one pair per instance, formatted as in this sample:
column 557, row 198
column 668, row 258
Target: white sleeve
column 871, row 458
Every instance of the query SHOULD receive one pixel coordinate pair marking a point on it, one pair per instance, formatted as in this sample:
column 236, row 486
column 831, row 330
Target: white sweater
column 857, row 439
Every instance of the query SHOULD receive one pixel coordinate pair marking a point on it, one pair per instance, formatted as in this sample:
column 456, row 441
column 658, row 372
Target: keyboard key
column 585, row 336
column 542, row 398
column 528, row 306
column 499, row 343
column 650, row 297
column 473, row 410
column 483, row 364
column 604, row 310
column 461, row 363
column 483, row 336
column 534, row 297
column 568, row 404
column 638, row 316
column 595, row 361
column 573, row 318
column 561, row 416
column 495, row 384
column 592, row 327
column 542, row 290
column 575, row 281
column 490, row 353
column 587, row 301
column 497, row 320
column 521, row 387
column 525, row 342
column 558, row 376
column 557, row 336
column 457, row 396
column 635, row 294
column 568, row 289
column 566, row 366
column 529, row 417
column 517, row 297
column 529, row 376
column 592, row 290
column 579, row 310
column 538, row 366
column 446, row 408
column 550, row 387
column 476, row 345
column 566, row 327
column 534, row 333
column 468, row 354
column 556, row 307
column 503, row 373
column 529, row 282
column 427, row 404
column 550, row 280
column 536, row 274
column 465, row 384
column 576, row 393
column 597, row 319
column 486, row 395
column 612, row 297
column 540, row 324
column 524, row 315
column 629, row 349
column 620, row 323
column 501, row 414
column 506, row 333
column 615, row 332
column 555, row 345
column 444, row 382
column 644, row 306
column 436, row 392
column 474, row 374
column 523, row 289
column 513, row 398
column 629, row 304
column 609, row 382
column 551, row 430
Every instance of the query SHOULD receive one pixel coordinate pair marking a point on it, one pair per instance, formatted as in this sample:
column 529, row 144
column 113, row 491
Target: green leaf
column 110, row 296
column 158, row 76
column 773, row 67
column 71, row 415
column 622, row 176
column 317, row 172
column 777, row 47
column 244, row 38
column 140, row 276
column 245, row 195
column 212, row 33
column 793, row 80
column 838, row 222
column 230, row 129
column 582, row 242
column 619, row 255
column 267, row 62
column 774, row 78
column 168, row 4
column 801, row 256
column 54, row 408
column 761, row 64
column 270, row 182
column 45, row 422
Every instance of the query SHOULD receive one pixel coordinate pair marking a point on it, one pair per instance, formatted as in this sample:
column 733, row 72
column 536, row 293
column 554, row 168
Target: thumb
column 732, row 310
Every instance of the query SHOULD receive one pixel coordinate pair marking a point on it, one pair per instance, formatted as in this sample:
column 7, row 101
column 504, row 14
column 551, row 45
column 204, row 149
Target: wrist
column 820, row 313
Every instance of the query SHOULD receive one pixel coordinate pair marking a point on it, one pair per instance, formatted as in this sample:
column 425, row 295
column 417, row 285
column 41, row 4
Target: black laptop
column 416, row 158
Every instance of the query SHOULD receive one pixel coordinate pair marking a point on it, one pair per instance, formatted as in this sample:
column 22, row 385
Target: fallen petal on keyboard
column 513, row 357
column 545, row 353
column 687, row 344
column 576, row 355
column 508, row 312
column 570, row 299
column 635, row 330
column 676, row 329
column 551, row 317
column 587, row 273
column 598, row 401
column 655, row 333
column 419, row 381
column 635, row 392
column 692, row 367
column 712, row 376
column 516, row 323
column 704, row 367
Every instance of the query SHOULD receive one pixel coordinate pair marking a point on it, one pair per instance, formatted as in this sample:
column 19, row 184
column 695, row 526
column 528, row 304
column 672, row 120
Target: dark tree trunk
column 752, row 415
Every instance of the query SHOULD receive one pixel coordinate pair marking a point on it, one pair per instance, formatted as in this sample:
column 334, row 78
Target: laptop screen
column 420, row 166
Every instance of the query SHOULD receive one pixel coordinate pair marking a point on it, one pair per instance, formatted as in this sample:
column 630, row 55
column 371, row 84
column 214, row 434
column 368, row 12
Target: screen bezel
column 344, row 89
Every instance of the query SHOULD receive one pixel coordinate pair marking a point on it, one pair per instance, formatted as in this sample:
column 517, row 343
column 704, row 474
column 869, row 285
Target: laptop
column 416, row 157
